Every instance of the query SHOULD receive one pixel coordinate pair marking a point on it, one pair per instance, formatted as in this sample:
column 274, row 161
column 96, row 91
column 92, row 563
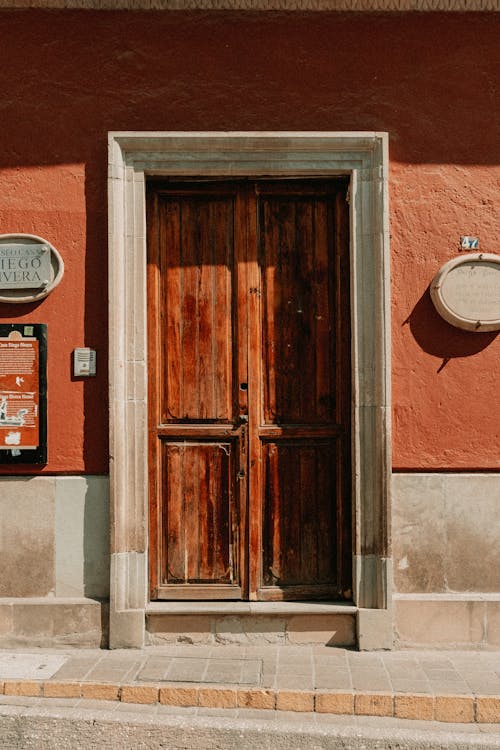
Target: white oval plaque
column 30, row 268
column 466, row 292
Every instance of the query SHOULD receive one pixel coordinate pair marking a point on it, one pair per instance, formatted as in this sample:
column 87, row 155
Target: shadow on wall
column 159, row 70
column 210, row 71
column 440, row 339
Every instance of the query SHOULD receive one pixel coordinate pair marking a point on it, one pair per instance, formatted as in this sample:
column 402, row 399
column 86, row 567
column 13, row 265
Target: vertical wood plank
column 190, row 363
column 272, row 518
column 284, row 335
column 324, row 322
column 173, row 514
column 208, row 470
column 240, row 361
column 312, row 496
column 253, row 292
column 305, row 343
column 170, row 310
column 326, row 536
column 268, row 239
column 204, row 323
column 223, row 314
column 191, row 510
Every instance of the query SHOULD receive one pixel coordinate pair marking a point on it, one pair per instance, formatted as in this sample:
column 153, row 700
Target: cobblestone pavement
column 448, row 686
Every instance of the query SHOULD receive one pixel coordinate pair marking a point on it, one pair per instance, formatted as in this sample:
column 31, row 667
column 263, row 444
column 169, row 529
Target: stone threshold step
column 297, row 623
column 246, row 608
column 460, row 709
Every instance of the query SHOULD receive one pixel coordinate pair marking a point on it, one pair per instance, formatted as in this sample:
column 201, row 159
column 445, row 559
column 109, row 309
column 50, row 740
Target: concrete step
column 243, row 623
column 55, row 725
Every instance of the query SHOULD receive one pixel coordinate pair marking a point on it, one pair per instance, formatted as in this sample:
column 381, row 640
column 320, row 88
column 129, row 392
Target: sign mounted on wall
column 23, row 393
column 30, row 268
column 466, row 292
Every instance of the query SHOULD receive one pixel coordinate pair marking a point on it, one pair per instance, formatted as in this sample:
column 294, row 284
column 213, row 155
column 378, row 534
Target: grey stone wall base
column 129, row 580
column 447, row 621
column 374, row 629
column 126, row 629
column 372, row 580
column 64, row 549
column 128, row 600
column 52, row 622
column 445, row 530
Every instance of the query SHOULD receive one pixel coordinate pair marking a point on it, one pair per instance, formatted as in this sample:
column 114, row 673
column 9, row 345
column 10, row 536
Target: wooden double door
column 249, row 389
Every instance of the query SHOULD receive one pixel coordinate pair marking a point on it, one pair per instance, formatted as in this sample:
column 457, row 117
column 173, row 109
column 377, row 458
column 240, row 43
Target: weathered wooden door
column 249, row 389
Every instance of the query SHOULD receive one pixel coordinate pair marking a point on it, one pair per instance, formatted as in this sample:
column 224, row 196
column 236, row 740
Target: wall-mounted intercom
column 84, row 362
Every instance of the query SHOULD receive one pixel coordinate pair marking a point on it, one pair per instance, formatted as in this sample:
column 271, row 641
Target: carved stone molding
column 132, row 158
column 263, row 5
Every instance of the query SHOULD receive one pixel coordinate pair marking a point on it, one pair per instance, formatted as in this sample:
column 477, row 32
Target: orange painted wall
column 430, row 80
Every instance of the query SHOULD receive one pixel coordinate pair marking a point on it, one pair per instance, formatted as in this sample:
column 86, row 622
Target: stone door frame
column 364, row 157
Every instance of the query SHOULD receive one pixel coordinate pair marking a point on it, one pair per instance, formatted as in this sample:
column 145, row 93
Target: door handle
column 243, row 418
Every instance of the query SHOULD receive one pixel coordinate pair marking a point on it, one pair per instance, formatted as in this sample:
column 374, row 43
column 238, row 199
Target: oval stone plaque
column 30, row 268
column 466, row 292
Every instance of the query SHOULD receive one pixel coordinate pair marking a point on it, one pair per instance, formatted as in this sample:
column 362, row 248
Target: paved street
column 64, row 724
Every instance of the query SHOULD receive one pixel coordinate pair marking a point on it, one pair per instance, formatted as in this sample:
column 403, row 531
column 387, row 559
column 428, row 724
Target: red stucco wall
column 430, row 80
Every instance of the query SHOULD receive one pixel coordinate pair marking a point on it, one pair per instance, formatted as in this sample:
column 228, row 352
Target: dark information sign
column 23, row 393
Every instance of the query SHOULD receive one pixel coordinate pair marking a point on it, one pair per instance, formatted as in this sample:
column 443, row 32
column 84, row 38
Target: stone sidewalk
column 459, row 687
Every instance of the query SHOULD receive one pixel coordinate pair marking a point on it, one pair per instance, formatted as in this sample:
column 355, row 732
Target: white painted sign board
column 24, row 266
column 30, row 268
